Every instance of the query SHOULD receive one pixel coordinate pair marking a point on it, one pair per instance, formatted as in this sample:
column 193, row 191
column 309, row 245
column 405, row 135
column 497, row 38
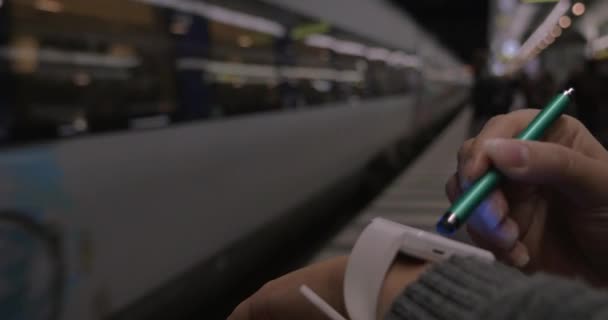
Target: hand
column 552, row 212
column 281, row 298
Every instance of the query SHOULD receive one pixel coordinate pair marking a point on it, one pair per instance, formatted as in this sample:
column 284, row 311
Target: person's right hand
column 551, row 213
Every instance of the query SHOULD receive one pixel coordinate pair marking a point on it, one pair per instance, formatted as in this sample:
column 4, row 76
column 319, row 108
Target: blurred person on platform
column 591, row 98
column 539, row 88
column 492, row 95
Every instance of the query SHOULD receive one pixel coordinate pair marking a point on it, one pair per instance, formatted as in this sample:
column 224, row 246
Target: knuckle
column 572, row 120
column 574, row 126
column 465, row 149
column 525, row 114
column 569, row 162
column 495, row 121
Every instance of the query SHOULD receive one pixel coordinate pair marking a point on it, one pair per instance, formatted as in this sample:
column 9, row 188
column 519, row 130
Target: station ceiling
column 461, row 26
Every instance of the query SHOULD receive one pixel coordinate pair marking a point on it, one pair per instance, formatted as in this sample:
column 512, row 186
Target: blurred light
column 321, row 74
column 224, row 69
column 510, row 48
column 338, row 46
column 565, row 22
column 556, row 32
column 78, row 58
column 82, row 79
column 533, row 67
column 377, row 54
column 349, row 48
column 181, row 25
column 87, row 59
column 598, row 45
column 24, row 55
column 578, row 9
column 532, row 46
column 178, row 28
column 507, row 5
column 321, row 85
column 498, row 68
column 245, row 41
column 244, row 20
column 121, row 50
column 1, row 3
column 302, row 31
column 320, row 41
column 228, row 68
column 223, row 15
column 80, row 124
column 53, row 6
column 398, row 58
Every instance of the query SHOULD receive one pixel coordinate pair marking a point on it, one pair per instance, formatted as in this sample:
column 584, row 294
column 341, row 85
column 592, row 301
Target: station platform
column 417, row 197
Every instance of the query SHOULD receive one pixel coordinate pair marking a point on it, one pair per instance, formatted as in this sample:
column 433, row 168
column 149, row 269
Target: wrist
column 403, row 272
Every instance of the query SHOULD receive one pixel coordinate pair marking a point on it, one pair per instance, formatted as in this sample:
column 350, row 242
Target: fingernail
column 509, row 152
column 490, row 215
column 486, row 217
column 520, row 255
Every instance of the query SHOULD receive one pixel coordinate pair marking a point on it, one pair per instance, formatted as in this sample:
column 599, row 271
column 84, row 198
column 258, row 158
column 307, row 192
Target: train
column 145, row 142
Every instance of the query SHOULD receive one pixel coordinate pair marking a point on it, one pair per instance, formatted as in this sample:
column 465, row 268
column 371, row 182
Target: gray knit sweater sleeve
column 468, row 289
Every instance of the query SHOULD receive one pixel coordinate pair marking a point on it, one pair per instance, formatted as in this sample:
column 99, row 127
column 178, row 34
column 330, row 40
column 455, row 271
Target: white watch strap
column 370, row 260
column 372, row 256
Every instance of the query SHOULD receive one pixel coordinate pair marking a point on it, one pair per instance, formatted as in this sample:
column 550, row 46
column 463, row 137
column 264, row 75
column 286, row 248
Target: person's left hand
column 281, row 298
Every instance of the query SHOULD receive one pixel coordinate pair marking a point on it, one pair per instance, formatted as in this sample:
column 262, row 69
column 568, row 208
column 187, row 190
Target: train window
column 75, row 68
column 81, row 67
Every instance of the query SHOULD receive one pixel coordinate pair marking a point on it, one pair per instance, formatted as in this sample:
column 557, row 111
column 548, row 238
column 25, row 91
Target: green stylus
column 464, row 206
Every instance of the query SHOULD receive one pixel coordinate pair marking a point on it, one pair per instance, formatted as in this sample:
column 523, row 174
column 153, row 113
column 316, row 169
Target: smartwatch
column 372, row 256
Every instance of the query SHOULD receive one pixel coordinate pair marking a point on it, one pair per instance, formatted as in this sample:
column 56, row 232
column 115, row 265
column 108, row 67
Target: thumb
column 552, row 165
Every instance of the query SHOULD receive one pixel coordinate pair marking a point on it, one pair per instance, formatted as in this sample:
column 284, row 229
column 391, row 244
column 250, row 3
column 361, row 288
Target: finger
column 480, row 241
column 288, row 303
column 491, row 223
column 242, row 312
column 503, row 237
column 519, row 256
column 281, row 299
column 550, row 164
column 490, row 213
column 566, row 131
column 505, row 126
column 275, row 304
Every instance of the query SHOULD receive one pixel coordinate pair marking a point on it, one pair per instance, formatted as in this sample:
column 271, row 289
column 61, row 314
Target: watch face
column 29, row 271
